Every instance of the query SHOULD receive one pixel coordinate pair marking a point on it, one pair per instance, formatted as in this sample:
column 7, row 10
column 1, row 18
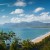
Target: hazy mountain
column 26, row 24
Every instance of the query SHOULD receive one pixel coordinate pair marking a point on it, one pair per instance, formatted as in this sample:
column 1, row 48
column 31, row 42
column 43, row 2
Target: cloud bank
column 43, row 17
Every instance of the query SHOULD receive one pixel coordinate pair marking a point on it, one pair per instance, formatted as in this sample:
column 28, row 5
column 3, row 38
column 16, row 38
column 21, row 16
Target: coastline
column 40, row 38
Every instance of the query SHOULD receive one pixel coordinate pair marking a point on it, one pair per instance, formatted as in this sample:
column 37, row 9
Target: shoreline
column 40, row 38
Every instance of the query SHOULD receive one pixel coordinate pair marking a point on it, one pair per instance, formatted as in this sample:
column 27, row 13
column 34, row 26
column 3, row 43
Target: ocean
column 27, row 33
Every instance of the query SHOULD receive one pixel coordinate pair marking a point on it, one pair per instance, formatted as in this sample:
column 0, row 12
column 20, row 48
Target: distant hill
column 34, row 24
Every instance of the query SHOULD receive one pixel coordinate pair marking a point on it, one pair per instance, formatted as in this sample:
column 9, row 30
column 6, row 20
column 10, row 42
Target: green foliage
column 6, row 36
column 15, row 45
column 3, row 46
column 24, row 45
column 27, row 45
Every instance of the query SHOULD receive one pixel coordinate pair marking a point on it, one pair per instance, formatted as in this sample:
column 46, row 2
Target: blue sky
column 16, row 11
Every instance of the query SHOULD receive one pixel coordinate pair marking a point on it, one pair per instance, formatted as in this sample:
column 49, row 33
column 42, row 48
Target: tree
column 6, row 36
column 15, row 45
column 27, row 45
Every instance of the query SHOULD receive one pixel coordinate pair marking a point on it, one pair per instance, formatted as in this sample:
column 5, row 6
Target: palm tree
column 6, row 36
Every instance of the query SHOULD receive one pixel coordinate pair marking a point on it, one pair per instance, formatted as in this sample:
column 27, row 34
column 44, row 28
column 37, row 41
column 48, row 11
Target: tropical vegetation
column 17, row 44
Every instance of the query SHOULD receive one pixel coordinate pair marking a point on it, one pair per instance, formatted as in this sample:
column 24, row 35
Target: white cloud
column 38, row 9
column 4, row 16
column 27, row 18
column 45, row 13
column 15, row 20
column 21, row 15
column 20, row 3
column 17, row 11
column 4, row 19
column 43, row 17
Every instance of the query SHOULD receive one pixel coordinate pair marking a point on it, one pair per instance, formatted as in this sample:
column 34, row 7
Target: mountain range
column 33, row 24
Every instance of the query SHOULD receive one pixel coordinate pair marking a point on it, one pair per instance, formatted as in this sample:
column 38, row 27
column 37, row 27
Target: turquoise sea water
column 27, row 33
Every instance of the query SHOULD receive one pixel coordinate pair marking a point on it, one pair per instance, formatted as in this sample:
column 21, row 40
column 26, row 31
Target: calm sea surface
column 27, row 33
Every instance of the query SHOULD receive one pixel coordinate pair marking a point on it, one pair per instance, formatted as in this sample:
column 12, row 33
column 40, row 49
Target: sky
column 16, row 11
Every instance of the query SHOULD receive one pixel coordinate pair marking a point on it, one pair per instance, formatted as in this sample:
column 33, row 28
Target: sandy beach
column 38, row 39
